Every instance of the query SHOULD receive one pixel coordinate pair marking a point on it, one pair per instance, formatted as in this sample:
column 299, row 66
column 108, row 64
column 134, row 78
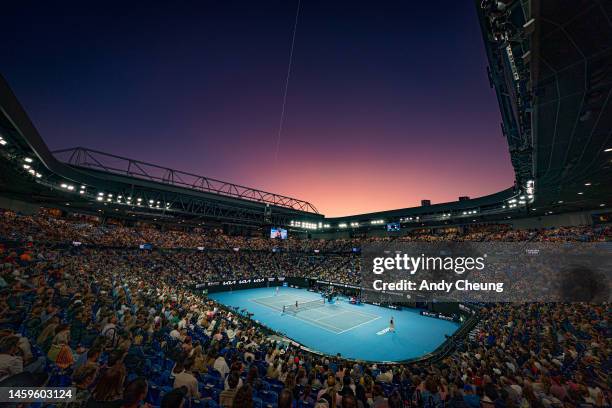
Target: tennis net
column 301, row 306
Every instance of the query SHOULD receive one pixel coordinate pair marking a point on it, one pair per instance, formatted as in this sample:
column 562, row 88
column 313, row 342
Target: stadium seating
column 61, row 305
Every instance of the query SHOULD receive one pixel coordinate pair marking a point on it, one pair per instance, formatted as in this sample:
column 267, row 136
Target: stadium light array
column 66, row 186
column 28, row 160
column 304, row 224
column 377, row 222
column 354, row 224
column 342, row 225
column 608, row 150
column 99, row 198
column 530, row 191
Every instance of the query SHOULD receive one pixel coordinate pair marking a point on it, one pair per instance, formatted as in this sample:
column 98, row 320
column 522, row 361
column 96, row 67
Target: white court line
column 314, row 323
column 331, row 315
column 361, row 324
column 358, row 312
column 374, row 317
column 317, row 322
column 259, row 300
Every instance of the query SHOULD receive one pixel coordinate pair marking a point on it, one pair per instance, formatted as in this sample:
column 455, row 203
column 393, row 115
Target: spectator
column 174, row 399
column 244, row 397
column 10, row 362
column 221, row 366
column 135, row 393
column 184, row 378
column 108, row 392
column 226, row 398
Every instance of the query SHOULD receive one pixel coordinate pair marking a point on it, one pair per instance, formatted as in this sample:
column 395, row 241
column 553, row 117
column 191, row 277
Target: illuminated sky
column 388, row 102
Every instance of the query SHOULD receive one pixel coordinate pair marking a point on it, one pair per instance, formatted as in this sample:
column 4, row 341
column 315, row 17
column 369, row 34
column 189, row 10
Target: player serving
column 392, row 325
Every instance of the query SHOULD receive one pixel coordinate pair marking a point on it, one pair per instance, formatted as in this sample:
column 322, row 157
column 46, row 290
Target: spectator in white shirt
column 175, row 334
column 221, row 366
column 10, row 364
column 184, row 377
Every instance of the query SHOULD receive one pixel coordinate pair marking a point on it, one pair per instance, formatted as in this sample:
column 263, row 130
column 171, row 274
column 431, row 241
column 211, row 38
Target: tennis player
column 276, row 291
column 392, row 325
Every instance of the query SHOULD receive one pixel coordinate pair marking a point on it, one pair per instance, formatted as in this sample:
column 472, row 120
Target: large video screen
column 393, row 226
column 278, row 233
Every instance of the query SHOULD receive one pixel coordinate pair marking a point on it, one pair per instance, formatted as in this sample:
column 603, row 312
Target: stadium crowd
column 47, row 228
column 122, row 326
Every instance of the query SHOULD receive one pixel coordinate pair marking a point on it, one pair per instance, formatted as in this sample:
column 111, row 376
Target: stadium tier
column 128, row 284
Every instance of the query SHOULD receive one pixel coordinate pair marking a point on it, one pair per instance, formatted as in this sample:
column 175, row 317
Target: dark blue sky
column 388, row 102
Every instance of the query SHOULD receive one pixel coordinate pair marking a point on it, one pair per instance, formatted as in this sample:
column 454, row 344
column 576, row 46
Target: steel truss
column 93, row 159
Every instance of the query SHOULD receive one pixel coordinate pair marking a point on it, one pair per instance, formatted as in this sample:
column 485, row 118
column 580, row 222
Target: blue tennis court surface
column 354, row 331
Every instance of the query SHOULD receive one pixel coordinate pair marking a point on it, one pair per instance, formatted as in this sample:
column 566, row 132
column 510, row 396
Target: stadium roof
column 551, row 65
column 90, row 180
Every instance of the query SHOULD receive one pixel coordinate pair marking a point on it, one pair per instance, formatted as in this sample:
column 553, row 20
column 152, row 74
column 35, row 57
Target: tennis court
column 354, row 331
column 332, row 317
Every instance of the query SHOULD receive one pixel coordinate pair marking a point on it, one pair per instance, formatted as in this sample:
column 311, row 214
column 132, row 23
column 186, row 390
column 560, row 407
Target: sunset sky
column 388, row 102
